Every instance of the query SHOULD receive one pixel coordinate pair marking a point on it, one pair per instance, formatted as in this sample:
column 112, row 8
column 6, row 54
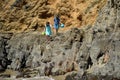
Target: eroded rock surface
column 22, row 15
column 93, row 50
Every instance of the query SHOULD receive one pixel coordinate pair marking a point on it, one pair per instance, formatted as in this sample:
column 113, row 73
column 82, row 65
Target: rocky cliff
column 92, row 52
column 22, row 15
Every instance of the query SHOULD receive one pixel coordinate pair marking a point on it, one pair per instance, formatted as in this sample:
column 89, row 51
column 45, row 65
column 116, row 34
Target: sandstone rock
column 3, row 52
column 71, row 76
column 106, row 41
column 1, row 25
column 93, row 50
column 5, row 76
column 12, row 11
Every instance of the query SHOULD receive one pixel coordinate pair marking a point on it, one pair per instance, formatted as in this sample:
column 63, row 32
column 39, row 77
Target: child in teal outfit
column 48, row 31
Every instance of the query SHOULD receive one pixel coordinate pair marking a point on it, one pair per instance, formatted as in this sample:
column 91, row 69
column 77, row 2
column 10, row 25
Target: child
column 56, row 23
column 48, row 31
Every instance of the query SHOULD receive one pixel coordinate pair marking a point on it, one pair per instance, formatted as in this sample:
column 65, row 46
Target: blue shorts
column 56, row 26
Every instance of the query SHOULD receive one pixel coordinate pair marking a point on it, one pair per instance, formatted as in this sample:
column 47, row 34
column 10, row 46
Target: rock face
column 105, row 45
column 93, row 50
column 33, row 50
column 22, row 15
column 3, row 51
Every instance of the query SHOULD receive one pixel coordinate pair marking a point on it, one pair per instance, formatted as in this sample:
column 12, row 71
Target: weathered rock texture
column 22, row 15
column 94, row 50
column 3, row 51
column 106, row 43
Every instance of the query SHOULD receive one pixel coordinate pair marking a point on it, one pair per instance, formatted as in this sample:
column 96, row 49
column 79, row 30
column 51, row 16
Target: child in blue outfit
column 56, row 23
column 48, row 31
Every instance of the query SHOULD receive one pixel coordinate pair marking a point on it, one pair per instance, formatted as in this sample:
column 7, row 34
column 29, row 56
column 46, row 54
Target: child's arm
column 51, row 26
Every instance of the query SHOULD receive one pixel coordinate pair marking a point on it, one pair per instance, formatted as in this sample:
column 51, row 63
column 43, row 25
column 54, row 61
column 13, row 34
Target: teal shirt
column 48, row 30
